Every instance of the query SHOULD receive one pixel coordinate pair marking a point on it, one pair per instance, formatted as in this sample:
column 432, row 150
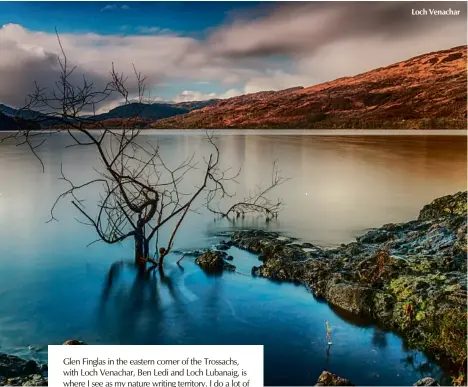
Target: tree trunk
column 161, row 262
column 139, row 248
column 146, row 248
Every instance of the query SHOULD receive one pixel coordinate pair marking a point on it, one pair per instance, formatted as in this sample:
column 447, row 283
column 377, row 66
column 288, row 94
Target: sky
column 201, row 50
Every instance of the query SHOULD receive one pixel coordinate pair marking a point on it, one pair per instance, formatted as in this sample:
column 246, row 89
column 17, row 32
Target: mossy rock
column 445, row 206
column 329, row 379
column 213, row 262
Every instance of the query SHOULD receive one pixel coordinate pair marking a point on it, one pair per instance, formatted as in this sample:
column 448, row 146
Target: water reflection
column 130, row 296
column 419, row 366
column 379, row 339
column 187, row 306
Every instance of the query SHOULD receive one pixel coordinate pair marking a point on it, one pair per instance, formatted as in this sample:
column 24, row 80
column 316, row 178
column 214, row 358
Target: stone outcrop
column 214, row 262
column 328, row 379
column 15, row 371
column 411, row 277
column 74, row 342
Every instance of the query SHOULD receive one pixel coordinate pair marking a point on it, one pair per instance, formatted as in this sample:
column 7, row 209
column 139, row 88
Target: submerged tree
column 257, row 201
column 140, row 194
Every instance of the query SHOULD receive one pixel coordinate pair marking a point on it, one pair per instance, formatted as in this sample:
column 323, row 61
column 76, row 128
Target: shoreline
column 409, row 277
column 16, row 371
column 289, row 132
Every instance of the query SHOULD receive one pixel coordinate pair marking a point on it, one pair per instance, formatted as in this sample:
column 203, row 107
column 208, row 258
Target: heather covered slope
column 424, row 92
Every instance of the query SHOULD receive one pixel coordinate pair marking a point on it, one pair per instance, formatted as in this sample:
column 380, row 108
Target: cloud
column 324, row 41
column 190, row 95
column 290, row 45
column 109, row 7
column 303, row 28
column 113, row 7
column 161, row 58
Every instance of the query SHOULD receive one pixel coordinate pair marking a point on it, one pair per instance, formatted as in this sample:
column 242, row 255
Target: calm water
column 53, row 288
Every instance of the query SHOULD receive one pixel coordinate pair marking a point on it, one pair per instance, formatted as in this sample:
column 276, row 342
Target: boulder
column 73, row 342
column 328, row 379
column 15, row 371
column 445, row 206
column 426, row 382
column 224, row 245
column 13, row 366
column 30, row 380
column 213, row 262
column 351, row 297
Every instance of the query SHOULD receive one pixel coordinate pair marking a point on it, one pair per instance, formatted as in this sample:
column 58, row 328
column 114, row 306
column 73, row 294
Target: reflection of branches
column 379, row 338
column 257, row 201
column 142, row 299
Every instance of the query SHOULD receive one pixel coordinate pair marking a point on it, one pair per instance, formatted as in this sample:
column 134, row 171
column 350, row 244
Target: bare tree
column 139, row 192
column 257, row 201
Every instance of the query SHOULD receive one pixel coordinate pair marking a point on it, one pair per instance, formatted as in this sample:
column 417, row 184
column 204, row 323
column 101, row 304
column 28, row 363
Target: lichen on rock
column 411, row 277
column 446, row 205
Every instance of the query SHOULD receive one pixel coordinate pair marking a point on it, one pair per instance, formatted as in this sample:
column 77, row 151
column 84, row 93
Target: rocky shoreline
column 15, row 371
column 410, row 277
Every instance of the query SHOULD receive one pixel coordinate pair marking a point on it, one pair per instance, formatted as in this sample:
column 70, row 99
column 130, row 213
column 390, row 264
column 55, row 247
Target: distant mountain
column 153, row 111
column 6, row 110
column 28, row 117
column 16, row 123
column 425, row 92
column 145, row 112
column 21, row 113
column 148, row 111
column 194, row 105
column 7, row 123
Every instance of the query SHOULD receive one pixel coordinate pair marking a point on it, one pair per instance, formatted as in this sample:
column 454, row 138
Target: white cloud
column 113, row 7
column 277, row 80
column 109, row 7
column 190, row 95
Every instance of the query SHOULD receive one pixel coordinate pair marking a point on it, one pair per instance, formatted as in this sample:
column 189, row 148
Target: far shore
column 295, row 132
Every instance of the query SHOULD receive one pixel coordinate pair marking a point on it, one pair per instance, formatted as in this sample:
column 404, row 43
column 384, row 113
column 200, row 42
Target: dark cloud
column 302, row 28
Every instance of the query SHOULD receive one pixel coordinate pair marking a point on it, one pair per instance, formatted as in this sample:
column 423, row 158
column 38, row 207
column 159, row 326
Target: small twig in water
column 328, row 333
column 181, row 258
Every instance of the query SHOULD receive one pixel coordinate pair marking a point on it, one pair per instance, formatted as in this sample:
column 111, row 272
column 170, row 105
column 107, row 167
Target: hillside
column 114, row 118
column 7, row 123
column 17, row 123
column 29, row 119
column 153, row 111
column 424, row 92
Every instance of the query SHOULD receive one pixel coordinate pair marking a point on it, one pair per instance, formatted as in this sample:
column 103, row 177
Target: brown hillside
column 425, row 92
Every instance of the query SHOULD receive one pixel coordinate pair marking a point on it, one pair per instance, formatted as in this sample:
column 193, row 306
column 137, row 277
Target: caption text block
column 156, row 366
